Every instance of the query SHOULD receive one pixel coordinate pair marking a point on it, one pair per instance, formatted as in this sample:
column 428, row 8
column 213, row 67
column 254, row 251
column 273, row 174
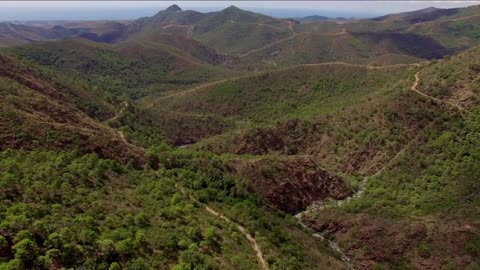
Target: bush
column 114, row 266
column 423, row 251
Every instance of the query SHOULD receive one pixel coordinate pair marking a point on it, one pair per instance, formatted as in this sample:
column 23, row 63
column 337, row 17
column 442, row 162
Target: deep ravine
column 319, row 206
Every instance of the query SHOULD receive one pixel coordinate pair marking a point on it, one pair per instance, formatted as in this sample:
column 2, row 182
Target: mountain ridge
column 235, row 140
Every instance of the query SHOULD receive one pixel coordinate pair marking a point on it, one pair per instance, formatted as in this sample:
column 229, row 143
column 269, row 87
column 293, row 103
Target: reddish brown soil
column 422, row 244
column 291, row 184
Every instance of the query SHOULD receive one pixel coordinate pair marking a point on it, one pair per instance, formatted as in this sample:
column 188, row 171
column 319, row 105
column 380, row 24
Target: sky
column 124, row 10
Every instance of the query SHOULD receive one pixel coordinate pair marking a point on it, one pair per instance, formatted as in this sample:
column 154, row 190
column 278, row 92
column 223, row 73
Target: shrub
column 423, row 250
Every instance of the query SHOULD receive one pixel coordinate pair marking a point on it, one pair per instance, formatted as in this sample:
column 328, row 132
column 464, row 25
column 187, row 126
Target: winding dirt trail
column 199, row 87
column 294, row 35
column 250, row 238
column 181, row 93
column 120, row 113
column 337, row 203
column 291, row 27
column 120, row 133
column 187, row 26
column 415, row 89
column 115, row 117
column 268, row 45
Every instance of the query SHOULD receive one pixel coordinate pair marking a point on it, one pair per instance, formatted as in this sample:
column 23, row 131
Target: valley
column 235, row 140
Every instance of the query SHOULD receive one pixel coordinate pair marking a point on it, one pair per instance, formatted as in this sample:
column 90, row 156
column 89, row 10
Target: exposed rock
column 369, row 240
column 293, row 183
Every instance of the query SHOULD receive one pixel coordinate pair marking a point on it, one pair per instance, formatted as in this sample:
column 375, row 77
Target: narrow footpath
column 250, row 238
column 415, row 89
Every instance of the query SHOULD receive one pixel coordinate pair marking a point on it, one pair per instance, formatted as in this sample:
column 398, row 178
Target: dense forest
column 235, row 140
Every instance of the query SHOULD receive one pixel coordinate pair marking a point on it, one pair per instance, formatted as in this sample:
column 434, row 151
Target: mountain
column 135, row 68
column 423, row 15
column 219, row 30
column 234, row 140
column 101, row 31
column 402, row 135
column 373, row 48
column 454, row 29
column 398, row 141
column 109, row 201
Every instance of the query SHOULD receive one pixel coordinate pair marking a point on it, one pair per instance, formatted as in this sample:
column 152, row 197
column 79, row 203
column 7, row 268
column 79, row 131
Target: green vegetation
column 134, row 69
column 454, row 80
column 69, row 210
column 364, row 48
column 90, row 176
column 460, row 28
column 422, row 183
column 302, row 92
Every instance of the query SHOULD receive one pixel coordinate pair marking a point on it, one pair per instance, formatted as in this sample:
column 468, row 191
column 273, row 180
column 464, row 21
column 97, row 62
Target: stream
column 318, row 206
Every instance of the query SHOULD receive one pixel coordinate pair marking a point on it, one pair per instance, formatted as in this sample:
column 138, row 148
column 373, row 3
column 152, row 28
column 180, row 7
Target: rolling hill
column 109, row 202
column 265, row 41
column 219, row 30
column 100, row 31
column 405, row 143
column 371, row 48
column 135, row 68
column 234, row 140
column 41, row 110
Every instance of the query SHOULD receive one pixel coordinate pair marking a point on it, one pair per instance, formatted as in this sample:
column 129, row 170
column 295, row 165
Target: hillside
column 41, row 110
column 235, row 140
column 135, row 68
column 100, row 31
column 432, row 182
column 110, row 203
column 270, row 96
column 423, row 15
column 406, row 146
column 455, row 81
column 372, row 48
column 267, row 41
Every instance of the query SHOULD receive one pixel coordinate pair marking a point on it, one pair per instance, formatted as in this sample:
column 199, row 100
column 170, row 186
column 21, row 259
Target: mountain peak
column 174, row 8
column 430, row 9
column 232, row 8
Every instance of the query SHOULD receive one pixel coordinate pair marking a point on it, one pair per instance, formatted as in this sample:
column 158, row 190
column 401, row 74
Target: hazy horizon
column 127, row 10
